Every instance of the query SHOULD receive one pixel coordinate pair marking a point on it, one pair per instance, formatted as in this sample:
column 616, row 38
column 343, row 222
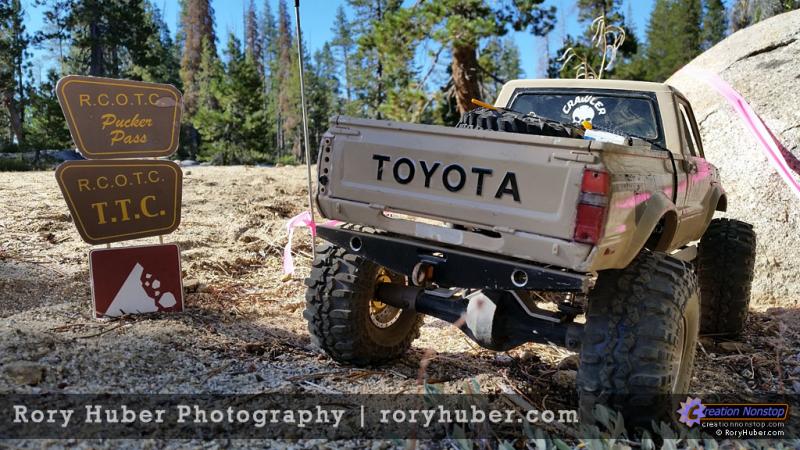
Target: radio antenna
column 305, row 121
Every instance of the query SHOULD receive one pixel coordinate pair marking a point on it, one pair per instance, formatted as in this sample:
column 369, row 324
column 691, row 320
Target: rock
column 761, row 63
column 380, row 445
column 736, row 347
column 502, row 359
column 707, row 342
column 191, row 285
column 569, row 363
column 796, row 386
column 566, row 378
column 25, row 372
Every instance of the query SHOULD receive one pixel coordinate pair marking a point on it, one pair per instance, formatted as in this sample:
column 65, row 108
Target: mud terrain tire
column 639, row 340
column 514, row 122
column 725, row 260
column 340, row 292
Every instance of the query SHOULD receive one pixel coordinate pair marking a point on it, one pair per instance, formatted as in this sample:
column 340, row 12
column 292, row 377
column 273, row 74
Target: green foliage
column 231, row 117
column 286, row 160
column 197, row 33
column 715, row 23
column 108, row 38
column 162, row 61
column 14, row 42
column 14, row 165
column 499, row 61
column 747, row 12
column 46, row 127
column 674, row 36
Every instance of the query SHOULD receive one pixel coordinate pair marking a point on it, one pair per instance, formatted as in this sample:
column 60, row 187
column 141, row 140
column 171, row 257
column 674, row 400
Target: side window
column 688, row 132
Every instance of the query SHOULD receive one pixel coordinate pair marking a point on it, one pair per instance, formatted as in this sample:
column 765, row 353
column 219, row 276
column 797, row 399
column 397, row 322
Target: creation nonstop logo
column 694, row 412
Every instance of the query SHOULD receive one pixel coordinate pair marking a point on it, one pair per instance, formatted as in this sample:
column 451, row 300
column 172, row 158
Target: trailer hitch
column 495, row 319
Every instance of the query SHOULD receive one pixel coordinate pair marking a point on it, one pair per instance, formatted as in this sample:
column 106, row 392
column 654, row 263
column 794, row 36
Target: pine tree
column 286, row 74
column 368, row 78
column 47, row 128
column 107, row 37
column 197, row 27
column 715, row 23
column 208, row 122
column 500, row 62
column 674, row 36
column 54, row 36
column 162, row 64
column 344, row 46
column 270, row 68
column 322, row 88
column 13, row 53
column 252, row 36
column 459, row 25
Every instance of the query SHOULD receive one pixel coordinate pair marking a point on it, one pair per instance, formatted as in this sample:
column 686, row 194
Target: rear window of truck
column 630, row 114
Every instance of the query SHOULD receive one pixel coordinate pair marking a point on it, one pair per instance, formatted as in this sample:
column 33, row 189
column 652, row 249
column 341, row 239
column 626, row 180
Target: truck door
column 698, row 180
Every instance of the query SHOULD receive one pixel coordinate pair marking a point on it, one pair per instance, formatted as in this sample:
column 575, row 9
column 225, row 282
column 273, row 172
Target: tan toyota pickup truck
column 587, row 195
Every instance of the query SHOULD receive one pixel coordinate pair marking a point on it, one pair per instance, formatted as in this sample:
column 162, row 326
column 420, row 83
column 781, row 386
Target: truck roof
column 509, row 88
column 590, row 84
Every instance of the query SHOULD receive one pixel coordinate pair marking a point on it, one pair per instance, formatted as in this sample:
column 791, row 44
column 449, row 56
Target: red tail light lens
column 595, row 182
column 589, row 223
column 592, row 205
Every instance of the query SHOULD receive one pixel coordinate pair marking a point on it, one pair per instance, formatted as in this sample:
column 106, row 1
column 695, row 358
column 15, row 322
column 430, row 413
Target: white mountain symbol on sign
column 133, row 296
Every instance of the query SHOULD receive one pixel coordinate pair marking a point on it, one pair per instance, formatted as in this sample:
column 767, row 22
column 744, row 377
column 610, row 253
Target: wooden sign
column 113, row 201
column 111, row 118
column 135, row 280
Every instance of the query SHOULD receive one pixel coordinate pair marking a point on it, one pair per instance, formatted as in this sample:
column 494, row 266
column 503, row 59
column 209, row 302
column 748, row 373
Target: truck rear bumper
column 521, row 245
column 451, row 267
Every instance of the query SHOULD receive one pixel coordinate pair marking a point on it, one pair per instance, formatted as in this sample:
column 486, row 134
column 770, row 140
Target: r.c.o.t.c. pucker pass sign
column 111, row 118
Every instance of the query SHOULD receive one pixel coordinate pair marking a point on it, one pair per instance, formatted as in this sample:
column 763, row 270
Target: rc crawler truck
column 566, row 213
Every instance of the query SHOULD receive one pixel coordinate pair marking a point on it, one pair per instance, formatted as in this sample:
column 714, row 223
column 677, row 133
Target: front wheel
column 639, row 341
column 343, row 316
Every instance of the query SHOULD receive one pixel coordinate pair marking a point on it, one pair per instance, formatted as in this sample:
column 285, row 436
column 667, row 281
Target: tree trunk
column 465, row 76
column 14, row 117
column 96, row 52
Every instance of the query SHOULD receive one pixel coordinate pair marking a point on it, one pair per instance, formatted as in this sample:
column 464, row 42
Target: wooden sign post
column 113, row 199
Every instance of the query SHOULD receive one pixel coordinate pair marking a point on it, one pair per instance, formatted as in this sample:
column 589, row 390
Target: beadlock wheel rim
column 380, row 314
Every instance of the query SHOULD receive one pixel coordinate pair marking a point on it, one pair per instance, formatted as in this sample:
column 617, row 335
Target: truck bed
column 533, row 185
column 507, row 193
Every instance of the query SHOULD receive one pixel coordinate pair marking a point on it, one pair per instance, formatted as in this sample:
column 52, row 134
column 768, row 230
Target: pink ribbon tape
column 301, row 220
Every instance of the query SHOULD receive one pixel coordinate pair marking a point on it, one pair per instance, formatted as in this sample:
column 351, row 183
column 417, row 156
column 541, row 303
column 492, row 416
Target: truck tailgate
column 503, row 181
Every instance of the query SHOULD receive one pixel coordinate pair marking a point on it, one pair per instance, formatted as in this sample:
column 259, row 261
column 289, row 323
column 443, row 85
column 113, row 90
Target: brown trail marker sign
column 111, row 118
column 114, row 201
column 131, row 280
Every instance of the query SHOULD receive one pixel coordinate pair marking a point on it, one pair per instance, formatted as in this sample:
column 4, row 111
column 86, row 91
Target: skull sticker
column 583, row 108
column 583, row 113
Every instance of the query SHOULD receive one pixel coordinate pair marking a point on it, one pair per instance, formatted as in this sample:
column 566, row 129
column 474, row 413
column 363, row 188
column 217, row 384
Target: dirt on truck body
column 593, row 190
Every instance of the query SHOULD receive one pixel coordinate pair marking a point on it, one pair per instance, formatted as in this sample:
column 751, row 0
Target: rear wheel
column 726, row 258
column 639, row 340
column 345, row 319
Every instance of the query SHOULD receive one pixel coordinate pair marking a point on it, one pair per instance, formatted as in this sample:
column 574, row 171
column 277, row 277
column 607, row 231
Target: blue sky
column 317, row 18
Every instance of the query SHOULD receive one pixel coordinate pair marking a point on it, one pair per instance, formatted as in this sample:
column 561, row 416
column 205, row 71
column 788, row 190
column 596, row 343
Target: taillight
column 592, row 206
column 595, row 182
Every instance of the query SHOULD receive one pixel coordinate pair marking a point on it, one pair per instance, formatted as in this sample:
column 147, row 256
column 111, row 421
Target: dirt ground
column 243, row 331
